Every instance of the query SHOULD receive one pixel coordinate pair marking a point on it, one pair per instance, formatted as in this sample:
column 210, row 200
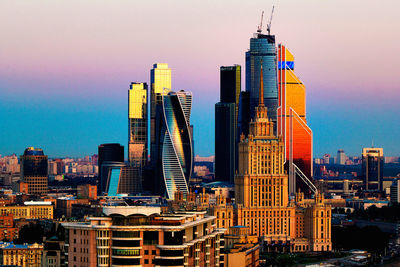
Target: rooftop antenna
column 259, row 28
column 270, row 21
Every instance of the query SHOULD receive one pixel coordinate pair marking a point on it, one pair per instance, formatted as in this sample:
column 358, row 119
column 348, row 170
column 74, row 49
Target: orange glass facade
column 292, row 123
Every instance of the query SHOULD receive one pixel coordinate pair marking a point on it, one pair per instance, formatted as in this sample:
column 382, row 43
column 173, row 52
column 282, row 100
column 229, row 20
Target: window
column 146, row 252
column 153, row 252
column 146, row 261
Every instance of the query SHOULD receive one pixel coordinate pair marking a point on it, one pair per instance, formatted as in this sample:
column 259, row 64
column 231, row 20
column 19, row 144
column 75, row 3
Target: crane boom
column 259, row 28
column 270, row 21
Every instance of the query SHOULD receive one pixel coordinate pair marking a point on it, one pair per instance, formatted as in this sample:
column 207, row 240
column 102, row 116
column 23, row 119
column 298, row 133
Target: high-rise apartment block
column 292, row 123
column 172, row 157
column 226, row 123
column 372, row 168
column 108, row 153
column 142, row 236
column 341, row 157
column 34, row 170
column 395, row 191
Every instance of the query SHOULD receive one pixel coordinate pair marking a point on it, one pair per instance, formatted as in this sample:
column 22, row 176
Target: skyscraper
column 174, row 146
column 230, row 84
column 160, row 84
column 244, row 113
column 292, row 123
column 226, row 123
column 137, row 116
column 372, row 168
column 225, row 145
column 262, row 52
column 108, row 153
column 120, row 178
column 34, row 170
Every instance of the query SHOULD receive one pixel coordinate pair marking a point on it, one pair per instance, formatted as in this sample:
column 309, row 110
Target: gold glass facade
column 137, row 149
column 160, row 84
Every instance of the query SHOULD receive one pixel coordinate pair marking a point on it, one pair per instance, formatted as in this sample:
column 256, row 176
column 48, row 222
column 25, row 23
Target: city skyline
column 63, row 97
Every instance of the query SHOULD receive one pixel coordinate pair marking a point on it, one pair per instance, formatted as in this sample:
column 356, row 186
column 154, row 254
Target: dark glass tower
column 244, row 113
column 174, row 148
column 226, row 123
column 262, row 51
column 225, row 142
column 34, row 170
column 108, row 153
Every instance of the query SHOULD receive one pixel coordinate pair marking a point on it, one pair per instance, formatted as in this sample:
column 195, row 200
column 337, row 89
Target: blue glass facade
column 262, row 49
column 175, row 143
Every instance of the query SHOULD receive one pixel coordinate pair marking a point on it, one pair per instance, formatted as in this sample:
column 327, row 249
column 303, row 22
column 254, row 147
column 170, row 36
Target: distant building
column 372, row 168
column 30, row 210
column 26, row 255
column 7, row 229
column 326, row 158
column 395, row 192
column 34, row 170
column 142, row 236
column 53, row 253
column 87, row 191
column 110, row 153
column 341, row 157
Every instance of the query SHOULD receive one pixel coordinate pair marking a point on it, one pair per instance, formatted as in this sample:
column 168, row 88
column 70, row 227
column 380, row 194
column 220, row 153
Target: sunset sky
column 66, row 66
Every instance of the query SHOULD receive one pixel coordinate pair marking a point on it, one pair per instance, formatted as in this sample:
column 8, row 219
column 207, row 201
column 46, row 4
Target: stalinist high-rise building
column 261, row 193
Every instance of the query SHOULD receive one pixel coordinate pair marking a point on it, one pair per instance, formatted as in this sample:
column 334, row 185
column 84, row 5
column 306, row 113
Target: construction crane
column 270, row 21
column 259, row 28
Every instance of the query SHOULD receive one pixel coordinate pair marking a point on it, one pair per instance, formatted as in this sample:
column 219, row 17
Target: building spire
column 261, row 89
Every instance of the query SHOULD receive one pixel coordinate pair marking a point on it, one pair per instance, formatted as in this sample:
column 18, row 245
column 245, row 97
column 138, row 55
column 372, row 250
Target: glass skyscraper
column 226, row 123
column 160, row 84
column 174, row 148
column 262, row 51
column 292, row 124
column 108, row 153
column 137, row 117
column 372, row 168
